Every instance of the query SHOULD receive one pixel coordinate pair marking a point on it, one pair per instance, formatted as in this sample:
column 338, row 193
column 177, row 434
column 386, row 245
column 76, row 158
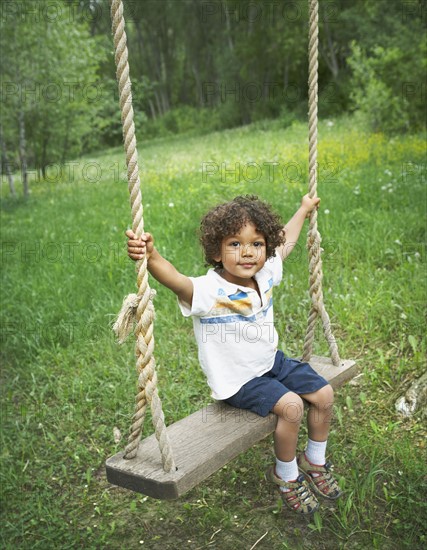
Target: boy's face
column 242, row 255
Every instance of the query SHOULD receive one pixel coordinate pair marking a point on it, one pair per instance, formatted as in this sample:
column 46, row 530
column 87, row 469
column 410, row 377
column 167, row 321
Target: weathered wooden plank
column 203, row 443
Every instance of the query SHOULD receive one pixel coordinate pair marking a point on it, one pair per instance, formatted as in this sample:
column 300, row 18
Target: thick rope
column 139, row 307
column 313, row 237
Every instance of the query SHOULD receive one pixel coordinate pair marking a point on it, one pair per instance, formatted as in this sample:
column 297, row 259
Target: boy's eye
column 258, row 244
column 234, row 243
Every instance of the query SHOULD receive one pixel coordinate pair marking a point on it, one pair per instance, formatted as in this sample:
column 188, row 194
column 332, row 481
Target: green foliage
column 388, row 61
column 191, row 120
column 66, row 383
column 383, row 84
column 181, row 120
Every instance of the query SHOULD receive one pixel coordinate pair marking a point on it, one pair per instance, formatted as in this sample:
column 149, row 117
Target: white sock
column 288, row 471
column 316, row 452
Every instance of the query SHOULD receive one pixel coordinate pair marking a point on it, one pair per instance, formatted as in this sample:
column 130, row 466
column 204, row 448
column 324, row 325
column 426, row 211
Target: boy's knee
column 290, row 407
column 329, row 390
column 325, row 396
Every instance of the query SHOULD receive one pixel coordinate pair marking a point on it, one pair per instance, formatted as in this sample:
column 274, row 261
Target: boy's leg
column 313, row 462
column 266, row 394
column 320, row 412
column 295, row 492
column 289, row 410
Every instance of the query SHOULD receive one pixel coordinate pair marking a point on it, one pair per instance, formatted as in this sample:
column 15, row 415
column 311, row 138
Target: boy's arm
column 164, row 272
column 293, row 228
column 160, row 268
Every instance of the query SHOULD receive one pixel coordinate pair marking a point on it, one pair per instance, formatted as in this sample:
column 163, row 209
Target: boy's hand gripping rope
column 313, row 237
column 138, row 307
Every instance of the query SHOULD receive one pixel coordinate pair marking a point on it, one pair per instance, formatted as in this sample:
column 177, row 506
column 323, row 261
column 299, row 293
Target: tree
column 50, row 84
column 6, row 163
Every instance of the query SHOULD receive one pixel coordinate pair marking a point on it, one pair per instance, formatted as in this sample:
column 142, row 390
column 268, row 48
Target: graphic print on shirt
column 238, row 307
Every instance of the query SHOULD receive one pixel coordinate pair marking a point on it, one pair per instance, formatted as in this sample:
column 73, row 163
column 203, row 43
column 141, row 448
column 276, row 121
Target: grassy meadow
column 66, row 383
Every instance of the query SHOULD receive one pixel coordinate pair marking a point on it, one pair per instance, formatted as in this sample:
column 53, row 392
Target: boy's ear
column 217, row 257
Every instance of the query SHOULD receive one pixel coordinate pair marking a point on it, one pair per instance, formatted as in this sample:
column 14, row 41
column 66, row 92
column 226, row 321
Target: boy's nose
column 247, row 250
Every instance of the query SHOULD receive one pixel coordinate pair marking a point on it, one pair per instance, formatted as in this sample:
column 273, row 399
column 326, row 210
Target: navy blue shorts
column 261, row 394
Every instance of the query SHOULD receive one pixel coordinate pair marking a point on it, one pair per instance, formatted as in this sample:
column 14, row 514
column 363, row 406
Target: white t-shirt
column 234, row 329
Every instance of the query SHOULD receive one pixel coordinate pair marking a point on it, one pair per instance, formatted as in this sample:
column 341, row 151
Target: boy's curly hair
column 229, row 218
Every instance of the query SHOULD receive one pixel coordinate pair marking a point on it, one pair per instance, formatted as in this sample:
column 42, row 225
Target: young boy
column 232, row 310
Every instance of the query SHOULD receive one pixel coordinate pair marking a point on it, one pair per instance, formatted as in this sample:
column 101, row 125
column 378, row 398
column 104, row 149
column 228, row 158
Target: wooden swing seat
column 204, row 442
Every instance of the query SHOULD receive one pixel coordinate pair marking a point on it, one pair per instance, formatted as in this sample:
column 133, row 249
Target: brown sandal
column 320, row 478
column 300, row 498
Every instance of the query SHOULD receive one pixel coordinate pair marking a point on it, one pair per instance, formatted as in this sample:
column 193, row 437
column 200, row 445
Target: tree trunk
column 140, row 40
column 152, row 109
column 164, row 83
column 251, row 19
column 164, row 99
column 159, row 107
column 228, row 24
column 286, row 75
column 6, row 164
column 330, row 55
column 44, row 153
column 196, row 73
column 23, row 154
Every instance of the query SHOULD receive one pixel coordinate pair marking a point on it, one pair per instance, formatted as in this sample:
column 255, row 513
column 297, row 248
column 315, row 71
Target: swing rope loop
column 137, row 307
column 313, row 236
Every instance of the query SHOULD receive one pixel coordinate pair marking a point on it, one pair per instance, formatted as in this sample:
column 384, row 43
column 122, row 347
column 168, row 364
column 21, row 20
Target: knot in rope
column 127, row 317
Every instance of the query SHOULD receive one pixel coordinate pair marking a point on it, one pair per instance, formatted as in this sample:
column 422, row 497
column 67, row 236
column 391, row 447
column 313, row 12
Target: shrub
column 378, row 87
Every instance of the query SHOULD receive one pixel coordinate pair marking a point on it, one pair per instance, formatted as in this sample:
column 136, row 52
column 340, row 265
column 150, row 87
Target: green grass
column 66, row 383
